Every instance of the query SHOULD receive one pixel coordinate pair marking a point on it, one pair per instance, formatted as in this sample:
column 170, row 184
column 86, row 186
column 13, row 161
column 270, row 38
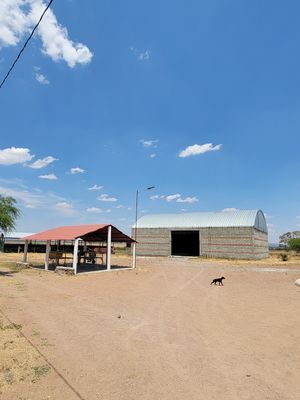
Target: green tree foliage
column 294, row 244
column 8, row 213
column 284, row 239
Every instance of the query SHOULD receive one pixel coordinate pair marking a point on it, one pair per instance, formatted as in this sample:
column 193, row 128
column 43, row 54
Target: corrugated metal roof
column 232, row 218
column 88, row 232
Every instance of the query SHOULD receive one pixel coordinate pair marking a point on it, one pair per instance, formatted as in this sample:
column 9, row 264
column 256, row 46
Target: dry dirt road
column 160, row 332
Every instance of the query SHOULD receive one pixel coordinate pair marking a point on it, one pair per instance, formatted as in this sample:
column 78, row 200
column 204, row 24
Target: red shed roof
column 95, row 232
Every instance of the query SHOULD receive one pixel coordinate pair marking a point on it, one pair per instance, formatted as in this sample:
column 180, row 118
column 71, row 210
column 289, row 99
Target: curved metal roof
column 220, row 219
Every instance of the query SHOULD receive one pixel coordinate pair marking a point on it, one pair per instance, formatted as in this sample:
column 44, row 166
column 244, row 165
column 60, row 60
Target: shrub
column 284, row 256
column 295, row 244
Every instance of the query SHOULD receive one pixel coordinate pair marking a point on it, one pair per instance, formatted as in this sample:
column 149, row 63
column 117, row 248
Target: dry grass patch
column 20, row 362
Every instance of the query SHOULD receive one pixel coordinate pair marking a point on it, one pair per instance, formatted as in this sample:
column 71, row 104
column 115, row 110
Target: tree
column 286, row 237
column 295, row 244
column 8, row 213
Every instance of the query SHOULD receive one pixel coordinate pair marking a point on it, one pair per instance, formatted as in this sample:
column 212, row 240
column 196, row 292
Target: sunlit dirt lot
column 158, row 332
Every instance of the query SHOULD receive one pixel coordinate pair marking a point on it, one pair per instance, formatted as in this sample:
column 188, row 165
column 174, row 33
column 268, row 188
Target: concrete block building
column 223, row 234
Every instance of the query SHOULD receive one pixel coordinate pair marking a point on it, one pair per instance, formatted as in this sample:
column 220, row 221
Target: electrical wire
column 25, row 44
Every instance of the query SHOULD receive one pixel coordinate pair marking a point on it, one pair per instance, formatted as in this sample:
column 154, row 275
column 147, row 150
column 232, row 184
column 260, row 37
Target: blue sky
column 199, row 98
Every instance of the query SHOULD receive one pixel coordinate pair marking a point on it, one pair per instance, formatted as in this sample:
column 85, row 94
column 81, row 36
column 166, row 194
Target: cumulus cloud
column 95, row 187
column 199, row 149
column 49, row 177
column 94, row 210
column 40, row 78
column 76, row 170
column 17, row 18
column 149, row 143
column 15, row 155
column 187, row 200
column 43, row 162
column 175, row 197
column 153, row 155
column 106, row 197
column 154, row 197
column 172, row 197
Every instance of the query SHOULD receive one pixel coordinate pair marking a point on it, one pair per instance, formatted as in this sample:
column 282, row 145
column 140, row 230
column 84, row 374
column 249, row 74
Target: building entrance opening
column 185, row 243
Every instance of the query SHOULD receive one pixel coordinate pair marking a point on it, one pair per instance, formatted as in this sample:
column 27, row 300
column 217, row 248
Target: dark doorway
column 185, row 243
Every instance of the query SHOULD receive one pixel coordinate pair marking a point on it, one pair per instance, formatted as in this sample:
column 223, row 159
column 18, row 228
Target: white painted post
column 75, row 255
column 108, row 249
column 48, row 247
column 25, row 251
column 133, row 255
column 84, row 249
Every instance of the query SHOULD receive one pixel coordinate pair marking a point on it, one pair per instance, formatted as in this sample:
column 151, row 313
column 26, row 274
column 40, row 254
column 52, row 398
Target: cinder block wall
column 237, row 242
column 261, row 244
column 153, row 241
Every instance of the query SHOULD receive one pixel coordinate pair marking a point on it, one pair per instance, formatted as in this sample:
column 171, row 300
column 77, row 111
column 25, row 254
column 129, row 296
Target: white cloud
column 177, row 197
column 187, row 200
column 94, row 210
column 40, row 78
column 199, row 149
column 76, row 170
column 119, row 206
column 267, row 216
column 145, row 55
column 298, row 216
column 129, row 208
column 15, row 155
column 39, row 200
column 31, row 206
column 108, row 210
column 43, row 162
column 65, row 208
column 153, row 155
column 172, row 197
column 50, row 177
column 149, row 143
column 95, row 187
column 141, row 55
column 230, row 209
column 17, row 18
column 105, row 197
column 30, row 199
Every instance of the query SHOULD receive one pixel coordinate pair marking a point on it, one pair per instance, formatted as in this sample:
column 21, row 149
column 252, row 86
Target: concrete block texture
column 235, row 242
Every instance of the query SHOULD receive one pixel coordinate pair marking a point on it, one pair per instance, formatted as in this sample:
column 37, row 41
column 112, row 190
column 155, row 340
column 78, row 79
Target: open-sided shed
column 86, row 233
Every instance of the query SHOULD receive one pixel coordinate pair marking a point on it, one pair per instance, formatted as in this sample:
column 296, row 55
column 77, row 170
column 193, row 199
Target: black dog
column 218, row 280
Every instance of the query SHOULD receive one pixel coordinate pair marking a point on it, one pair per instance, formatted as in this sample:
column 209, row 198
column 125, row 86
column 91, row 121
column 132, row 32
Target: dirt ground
column 158, row 332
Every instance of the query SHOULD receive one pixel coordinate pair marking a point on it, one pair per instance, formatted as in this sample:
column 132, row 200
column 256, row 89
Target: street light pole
column 136, row 217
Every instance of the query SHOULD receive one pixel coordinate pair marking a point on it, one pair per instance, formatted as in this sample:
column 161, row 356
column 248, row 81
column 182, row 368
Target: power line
column 25, row 44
